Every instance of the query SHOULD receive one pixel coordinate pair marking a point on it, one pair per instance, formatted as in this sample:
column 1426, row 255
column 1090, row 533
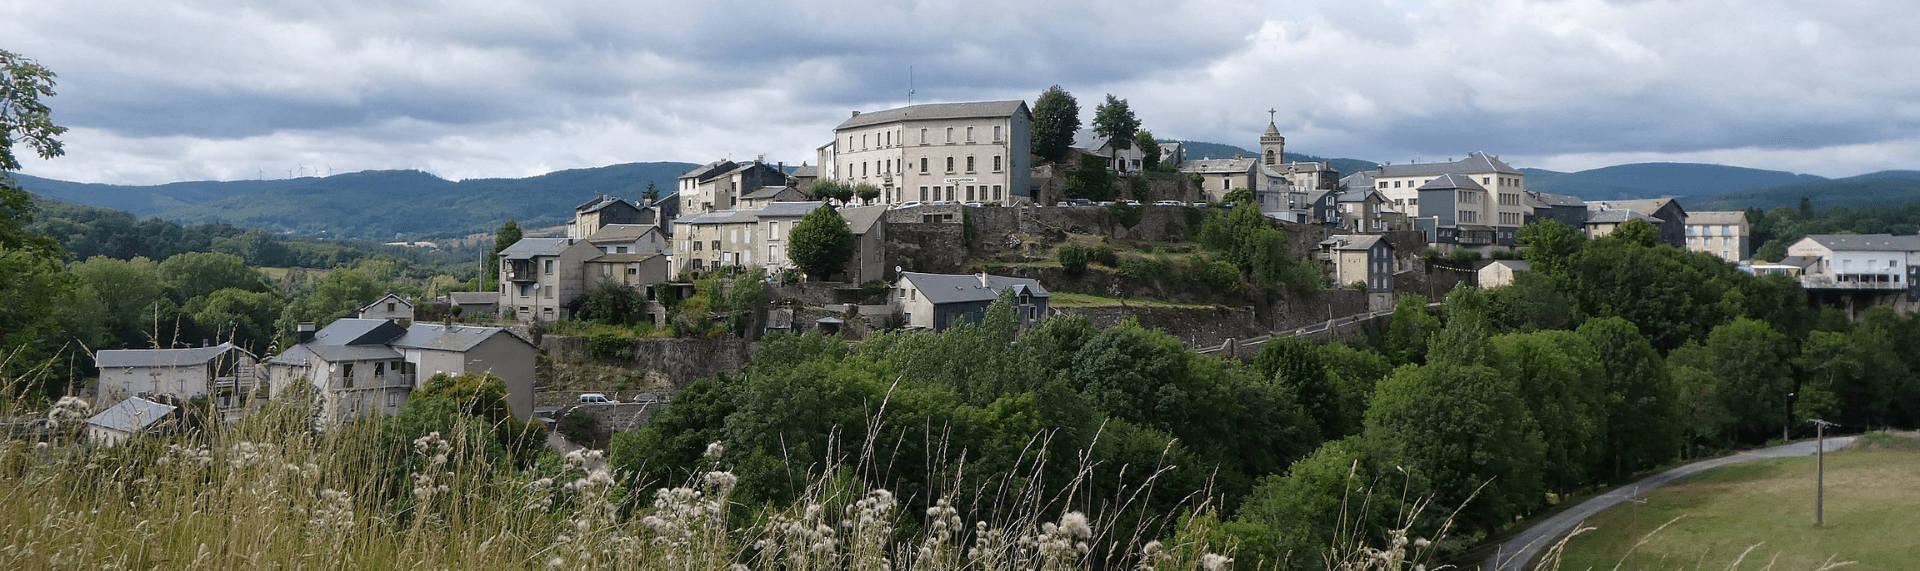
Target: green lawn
column 1872, row 516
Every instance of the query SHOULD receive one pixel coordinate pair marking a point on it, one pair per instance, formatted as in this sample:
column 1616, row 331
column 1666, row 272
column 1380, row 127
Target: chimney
column 983, row 279
column 856, row 113
column 305, row 331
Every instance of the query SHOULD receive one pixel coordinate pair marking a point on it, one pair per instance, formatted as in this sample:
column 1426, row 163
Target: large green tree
column 1115, row 121
column 24, row 119
column 504, row 238
column 820, row 244
column 1149, row 149
column 195, row 274
column 1642, row 426
column 1467, row 430
column 1056, row 117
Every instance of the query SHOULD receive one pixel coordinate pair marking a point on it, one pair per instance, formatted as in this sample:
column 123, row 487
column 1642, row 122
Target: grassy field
column 1075, row 299
column 1872, row 512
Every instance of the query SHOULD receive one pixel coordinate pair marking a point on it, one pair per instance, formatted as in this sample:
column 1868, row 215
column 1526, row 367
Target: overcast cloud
column 166, row 90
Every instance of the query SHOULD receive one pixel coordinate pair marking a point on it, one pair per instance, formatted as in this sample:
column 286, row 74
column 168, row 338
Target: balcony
column 1853, row 282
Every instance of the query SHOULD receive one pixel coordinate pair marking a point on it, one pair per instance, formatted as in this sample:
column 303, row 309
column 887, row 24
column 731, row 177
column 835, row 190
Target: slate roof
column 159, row 357
column 395, row 297
column 719, row 217
column 1647, row 205
column 786, row 208
column 1476, row 162
column 1209, row 166
column 356, row 331
column 1717, row 217
column 1088, row 140
column 131, row 415
column 1451, row 181
column 1802, row 262
column 1556, row 199
column 473, row 297
column 338, row 353
column 861, row 219
column 1359, row 242
column 1618, row 217
column 1356, row 181
column 949, row 288
column 766, row 192
column 1867, row 242
column 532, row 247
column 1360, row 195
column 623, row 258
column 621, row 233
column 934, row 111
column 1515, row 265
column 448, row 338
column 709, row 170
column 806, row 171
column 600, row 202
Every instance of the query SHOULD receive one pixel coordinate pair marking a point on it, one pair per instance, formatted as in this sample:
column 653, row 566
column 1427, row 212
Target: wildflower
column 1215, row 561
column 714, row 449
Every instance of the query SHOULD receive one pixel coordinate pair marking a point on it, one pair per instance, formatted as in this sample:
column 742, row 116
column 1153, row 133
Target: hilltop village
column 924, row 190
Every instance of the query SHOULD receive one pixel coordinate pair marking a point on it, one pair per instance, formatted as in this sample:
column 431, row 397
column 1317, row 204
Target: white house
column 392, row 307
column 131, row 417
column 936, row 301
column 957, row 152
column 1723, row 233
column 1863, row 261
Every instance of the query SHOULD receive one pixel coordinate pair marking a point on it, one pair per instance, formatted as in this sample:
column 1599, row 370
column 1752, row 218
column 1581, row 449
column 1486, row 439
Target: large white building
column 955, row 152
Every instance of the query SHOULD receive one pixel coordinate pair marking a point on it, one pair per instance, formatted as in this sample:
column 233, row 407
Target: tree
column 821, row 244
column 24, row 119
column 1092, row 181
column 1149, row 150
column 651, row 194
column 1642, row 426
column 195, row 274
column 1550, row 246
column 1238, row 197
column 242, row 317
column 1294, row 362
column 1115, row 121
column 1461, row 427
column 866, row 192
column 1560, row 382
column 508, row 234
column 1056, row 117
column 613, row 304
column 127, row 289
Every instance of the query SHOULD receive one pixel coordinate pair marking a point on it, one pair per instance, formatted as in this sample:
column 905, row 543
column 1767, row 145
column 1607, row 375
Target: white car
column 908, row 204
column 1169, row 203
column 596, row 398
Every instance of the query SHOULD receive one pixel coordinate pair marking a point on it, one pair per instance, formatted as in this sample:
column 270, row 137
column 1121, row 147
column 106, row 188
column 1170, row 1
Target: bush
column 1127, row 216
column 1105, row 255
column 1219, row 275
column 1073, row 258
column 1142, row 270
column 609, row 345
column 1463, row 256
column 582, row 428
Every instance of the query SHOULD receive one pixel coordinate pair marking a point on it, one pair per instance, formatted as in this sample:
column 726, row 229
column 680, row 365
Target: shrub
column 1105, row 255
column 1127, row 216
column 581, row 428
column 1073, row 258
column 609, row 345
column 1463, row 256
column 1216, row 274
column 1142, row 270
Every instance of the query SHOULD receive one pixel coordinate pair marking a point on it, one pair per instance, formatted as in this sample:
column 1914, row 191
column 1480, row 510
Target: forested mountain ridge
column 373, row 205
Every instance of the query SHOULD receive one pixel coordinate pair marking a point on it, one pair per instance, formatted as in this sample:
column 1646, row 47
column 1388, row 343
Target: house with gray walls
column 223, row 373
column 936, row 301
column 540, row 277
column 358, row 367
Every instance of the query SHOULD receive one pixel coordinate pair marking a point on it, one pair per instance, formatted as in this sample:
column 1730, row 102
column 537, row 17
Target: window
column 969, row 134
column 346, row 375
column 547, row 292
column 969, row 162
column 949, row 135
column 523, row 290
column 716, row 245
column 863, row 166
column 949, row 163
column 390, row 304
column 949, row 194
column 863, row 141
column 620, row 249
column 923, row 138
column 550, row 262
column 923, row 163
column 773, row 228
column 996, row 162
column 379, row 370
column 996, row 192
column 923, row 191
column 696, row 245
column 996, row 133
column 969, row 193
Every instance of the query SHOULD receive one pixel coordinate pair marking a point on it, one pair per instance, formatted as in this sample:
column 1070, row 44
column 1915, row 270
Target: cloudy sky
column 166, row 90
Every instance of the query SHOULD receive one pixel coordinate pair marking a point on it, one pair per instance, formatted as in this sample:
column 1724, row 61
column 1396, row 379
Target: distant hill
column 1651, row 180
column 1200, row 150
column 374, row 205
column 1853, row 191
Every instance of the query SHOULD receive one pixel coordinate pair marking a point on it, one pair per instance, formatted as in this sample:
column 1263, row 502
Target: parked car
column 1062, row 204
column 596, row 398
column 1080, row 202
column 1104, row 203
column 1169, row 203
column 970, row 204
column 1130, row 202
column 908, row 204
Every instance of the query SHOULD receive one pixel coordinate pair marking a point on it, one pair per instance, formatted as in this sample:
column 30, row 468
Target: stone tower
column 1273, row 147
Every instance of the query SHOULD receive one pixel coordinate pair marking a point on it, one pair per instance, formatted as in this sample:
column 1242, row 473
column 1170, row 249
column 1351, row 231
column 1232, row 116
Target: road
column 1516, row 552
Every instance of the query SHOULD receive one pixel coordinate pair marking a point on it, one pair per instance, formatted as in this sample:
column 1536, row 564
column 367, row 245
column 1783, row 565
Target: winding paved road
column 1518, row 551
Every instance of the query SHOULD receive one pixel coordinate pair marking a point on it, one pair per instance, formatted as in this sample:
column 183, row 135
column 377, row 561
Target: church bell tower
column 1273, row 147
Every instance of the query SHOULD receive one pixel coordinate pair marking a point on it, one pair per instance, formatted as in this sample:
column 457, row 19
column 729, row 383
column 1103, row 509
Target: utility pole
column 1820, row 477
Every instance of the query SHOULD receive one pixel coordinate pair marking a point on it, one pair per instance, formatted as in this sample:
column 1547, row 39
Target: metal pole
column 1820, row 477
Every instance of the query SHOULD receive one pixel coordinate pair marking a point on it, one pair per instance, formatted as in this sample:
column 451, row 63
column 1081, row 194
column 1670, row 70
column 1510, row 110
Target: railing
column 1323, row 326
column 1828, row 282
column 388, row 380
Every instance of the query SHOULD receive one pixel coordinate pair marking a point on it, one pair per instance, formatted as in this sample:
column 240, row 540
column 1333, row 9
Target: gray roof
column 1867, row 242
column 786, row 208
column 340, row 353
column 1802, row 262
column 396, row 297
column 768, row 192
column 1557, row 199
column 449, row 338
column 1649, row 206
column 1356, row 181
column 1088, row 140
column 860, row 219
column 1359, row 195
column 1476, row 162
column 937, row 111
column 1618, row 217
column 1212, row 166
column 624, row 258
column 600, row 202
column 1451, row 181
column 131, row 415
column 160, row 357
column 1353, row 241
column 1717, row 217
column 473, row 297
column 356, row 331
column 806, row 171
column 1515, row 265
column 719, row 217
column 621, row 233
column 710, row 170
column 531, row 247
column 949, row 288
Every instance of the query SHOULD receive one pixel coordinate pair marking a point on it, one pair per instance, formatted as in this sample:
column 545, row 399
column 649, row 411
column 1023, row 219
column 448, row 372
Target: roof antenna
column 909, row 86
